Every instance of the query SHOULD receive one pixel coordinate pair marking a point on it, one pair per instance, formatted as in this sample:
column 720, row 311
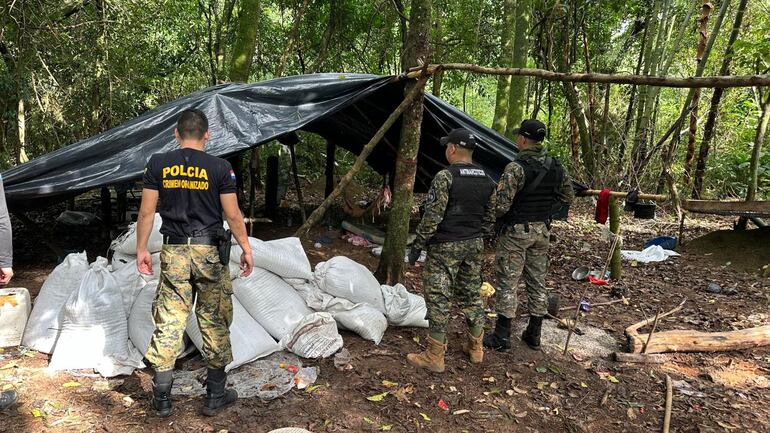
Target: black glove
column 414, row 254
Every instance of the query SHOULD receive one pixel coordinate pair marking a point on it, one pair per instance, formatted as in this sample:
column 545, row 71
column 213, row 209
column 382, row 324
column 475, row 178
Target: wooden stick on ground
column 652, row 331
column 685, row 340
column 317, row 214
column 669, row 403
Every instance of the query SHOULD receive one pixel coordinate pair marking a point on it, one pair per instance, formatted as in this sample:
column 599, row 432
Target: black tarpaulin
column 345, row 109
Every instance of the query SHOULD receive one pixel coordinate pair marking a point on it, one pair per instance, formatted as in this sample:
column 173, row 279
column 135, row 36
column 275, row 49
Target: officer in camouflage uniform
column 194, row 190
column 531, row 187
column 459, row 210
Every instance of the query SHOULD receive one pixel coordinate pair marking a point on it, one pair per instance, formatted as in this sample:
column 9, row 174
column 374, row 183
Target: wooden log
column 365, row 152
column 747, row 208
column 619, row 194
column 640, row 358
column 697, row 341
column 576, row 77
column 296, row 183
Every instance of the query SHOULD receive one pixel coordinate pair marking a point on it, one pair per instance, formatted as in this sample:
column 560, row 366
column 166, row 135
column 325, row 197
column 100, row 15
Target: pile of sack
column 99, row 315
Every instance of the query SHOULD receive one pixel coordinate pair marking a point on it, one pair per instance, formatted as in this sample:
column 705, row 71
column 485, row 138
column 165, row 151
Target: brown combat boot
column 474, row 348
column 432, row 358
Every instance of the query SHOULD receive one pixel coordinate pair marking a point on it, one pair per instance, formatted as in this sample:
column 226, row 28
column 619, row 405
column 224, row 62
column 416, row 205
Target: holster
column 225, row 243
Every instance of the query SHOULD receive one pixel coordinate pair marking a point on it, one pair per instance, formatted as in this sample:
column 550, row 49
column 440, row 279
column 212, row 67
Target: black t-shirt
column 189, row 183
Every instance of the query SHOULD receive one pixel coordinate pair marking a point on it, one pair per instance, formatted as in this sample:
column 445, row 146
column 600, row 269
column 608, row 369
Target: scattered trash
column 318, row 245
column 306, row 377
column 357, row 241
column 666, row 242
column 442, row 404
column 580, row 274
column 585, row 306
column 654, row 253
column 342, row 360
column 686, row 389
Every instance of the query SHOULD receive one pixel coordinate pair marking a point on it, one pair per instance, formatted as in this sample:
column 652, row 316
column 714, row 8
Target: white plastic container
column 14, row 312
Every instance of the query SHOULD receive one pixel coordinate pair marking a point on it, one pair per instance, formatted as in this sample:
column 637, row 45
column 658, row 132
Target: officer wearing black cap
column 459, row 211
column 531, row 187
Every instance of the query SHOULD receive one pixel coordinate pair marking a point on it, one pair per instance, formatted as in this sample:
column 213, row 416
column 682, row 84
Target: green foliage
column 81, row 70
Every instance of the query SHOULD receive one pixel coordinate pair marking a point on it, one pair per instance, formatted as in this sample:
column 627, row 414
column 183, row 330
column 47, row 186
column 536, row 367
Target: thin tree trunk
column 708, row 129
column 590, row 86
column 391, row 265
column 331, row 26
column 520, row 54
column 438, row 44
column 631, row 102
column 702, row 46
column 292, row 39
column 502, row 99
column 756, row 151
column 605, row 124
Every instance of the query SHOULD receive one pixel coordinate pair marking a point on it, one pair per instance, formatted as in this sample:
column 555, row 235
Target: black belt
column 193, row 240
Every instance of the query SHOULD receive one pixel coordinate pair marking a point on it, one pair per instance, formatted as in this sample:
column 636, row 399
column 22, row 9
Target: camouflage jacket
column 435, row 207
column 512, row 181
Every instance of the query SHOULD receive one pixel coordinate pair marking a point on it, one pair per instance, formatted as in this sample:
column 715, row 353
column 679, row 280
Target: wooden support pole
column 271, row 187
column 331, row 149
column 296, row 182
column 616, row 270
column 576, row 77
column 317, row 214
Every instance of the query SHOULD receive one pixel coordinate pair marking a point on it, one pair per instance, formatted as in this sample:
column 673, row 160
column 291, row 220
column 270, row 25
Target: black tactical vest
column 535, row 202
column 468, row 198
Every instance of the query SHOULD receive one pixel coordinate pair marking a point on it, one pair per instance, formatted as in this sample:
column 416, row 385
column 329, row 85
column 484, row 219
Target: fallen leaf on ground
column 389, row 384
column 402, row 392
column 542, row 385
column 368, row 420
column 583, row 385
column 541, row 369
column 37, row 413
column 518, row 390
column 72, row 384
column 520, row 414
column 386, row 427
column 630, row 413
column 424, row 416
column 490, row 379
column 312, row 388
column 613, row 379
column 461, row 412
column 11, row 364
column 377, row 397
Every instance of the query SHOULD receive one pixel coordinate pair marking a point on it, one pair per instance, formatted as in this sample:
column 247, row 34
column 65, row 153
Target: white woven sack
column 95, row 330
column 344, row 278
column 126, row 243
column 283, row 257
column 44, row 324
column 315, row 336
column 248, row 339
column 404, row 308
column 363, row 319
column 270, row 301
column 140, row 322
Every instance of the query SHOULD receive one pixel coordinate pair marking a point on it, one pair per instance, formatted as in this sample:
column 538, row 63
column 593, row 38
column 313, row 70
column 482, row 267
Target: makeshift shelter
column 346, row 109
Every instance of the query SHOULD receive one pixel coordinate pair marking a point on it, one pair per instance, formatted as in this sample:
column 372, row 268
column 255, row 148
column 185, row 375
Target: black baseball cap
column 532, row 129
column 461, row 137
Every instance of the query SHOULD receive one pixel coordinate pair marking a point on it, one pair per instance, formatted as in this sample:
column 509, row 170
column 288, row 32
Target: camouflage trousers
column 187, row 271
column 453, row 269
column 519, row 250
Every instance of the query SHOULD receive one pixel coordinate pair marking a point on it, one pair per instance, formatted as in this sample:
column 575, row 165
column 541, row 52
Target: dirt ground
column 523, row 390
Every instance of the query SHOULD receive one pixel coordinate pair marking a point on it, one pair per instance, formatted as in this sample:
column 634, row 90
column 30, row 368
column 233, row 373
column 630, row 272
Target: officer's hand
column 247, row 264
column 144, row 262
column 414, row 254
column 5, row 276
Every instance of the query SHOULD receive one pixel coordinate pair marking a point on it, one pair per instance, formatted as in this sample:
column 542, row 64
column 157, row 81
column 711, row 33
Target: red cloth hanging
column 603, row 206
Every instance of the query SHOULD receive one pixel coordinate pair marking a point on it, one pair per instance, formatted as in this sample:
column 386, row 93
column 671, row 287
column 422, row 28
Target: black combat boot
column 161, row 392
column 500, row 340
column 531, row 335
column 8, row 399
column 217, row 396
